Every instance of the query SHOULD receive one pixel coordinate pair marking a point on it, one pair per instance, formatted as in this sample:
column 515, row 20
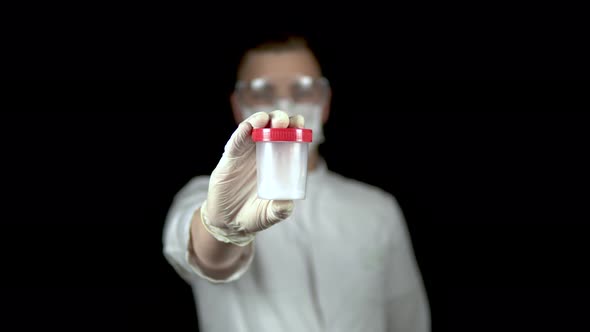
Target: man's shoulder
column 344, row 187
column 195, row 185
column 198, row 180
column 356, row 199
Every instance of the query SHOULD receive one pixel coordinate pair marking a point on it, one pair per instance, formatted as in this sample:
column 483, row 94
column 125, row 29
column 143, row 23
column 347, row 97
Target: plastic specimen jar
column 281, row 162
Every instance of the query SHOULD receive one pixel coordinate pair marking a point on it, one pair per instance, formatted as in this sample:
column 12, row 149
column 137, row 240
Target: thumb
column 277, row 211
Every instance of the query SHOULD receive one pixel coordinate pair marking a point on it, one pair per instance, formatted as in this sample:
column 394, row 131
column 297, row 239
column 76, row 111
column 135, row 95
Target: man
column 340, row 260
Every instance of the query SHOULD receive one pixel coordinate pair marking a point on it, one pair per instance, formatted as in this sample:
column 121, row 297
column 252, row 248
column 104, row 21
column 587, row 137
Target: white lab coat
column 343, row 261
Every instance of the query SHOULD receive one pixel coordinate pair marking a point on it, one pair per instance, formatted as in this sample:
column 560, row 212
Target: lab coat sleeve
column 407, row 304
column 176, row 234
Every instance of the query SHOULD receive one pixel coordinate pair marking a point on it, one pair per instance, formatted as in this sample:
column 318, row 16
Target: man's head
column 282, row 73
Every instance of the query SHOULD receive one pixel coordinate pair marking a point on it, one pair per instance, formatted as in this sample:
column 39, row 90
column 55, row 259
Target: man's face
column 279, row 75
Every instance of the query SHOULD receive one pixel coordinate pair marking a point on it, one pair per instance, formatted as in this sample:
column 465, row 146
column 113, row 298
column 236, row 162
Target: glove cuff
column 226, row 234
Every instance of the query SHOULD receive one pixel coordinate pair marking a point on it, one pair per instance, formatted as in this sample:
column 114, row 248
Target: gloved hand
column 233, row 213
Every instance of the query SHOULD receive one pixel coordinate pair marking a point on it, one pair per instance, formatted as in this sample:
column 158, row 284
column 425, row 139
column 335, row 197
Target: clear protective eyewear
column 268, row 91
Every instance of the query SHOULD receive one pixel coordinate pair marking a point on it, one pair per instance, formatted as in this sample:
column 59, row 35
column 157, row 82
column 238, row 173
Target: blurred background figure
column 339, row 260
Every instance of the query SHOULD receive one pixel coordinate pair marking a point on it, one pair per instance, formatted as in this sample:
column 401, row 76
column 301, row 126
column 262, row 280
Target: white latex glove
column 233, row 213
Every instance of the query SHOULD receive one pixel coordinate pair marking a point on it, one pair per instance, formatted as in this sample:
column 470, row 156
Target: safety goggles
column 267, row 91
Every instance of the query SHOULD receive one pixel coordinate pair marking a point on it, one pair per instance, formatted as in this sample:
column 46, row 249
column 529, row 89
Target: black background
column 491, row 174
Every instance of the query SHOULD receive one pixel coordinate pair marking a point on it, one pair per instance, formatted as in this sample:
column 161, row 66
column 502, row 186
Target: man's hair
column 274, row 42
column 279, row 42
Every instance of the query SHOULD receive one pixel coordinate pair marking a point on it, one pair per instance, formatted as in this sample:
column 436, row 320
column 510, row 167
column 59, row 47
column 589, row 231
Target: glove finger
column 278, row 119
column 278, row 211
column 271, row 213
column 258, row 120
column 241, row 141
column 296, row 121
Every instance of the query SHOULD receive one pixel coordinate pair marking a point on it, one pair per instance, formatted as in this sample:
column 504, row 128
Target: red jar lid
column 282, row 135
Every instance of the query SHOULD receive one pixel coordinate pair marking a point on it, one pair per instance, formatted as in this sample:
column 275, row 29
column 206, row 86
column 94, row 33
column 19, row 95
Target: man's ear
column 235, row 108
column 326, row 108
